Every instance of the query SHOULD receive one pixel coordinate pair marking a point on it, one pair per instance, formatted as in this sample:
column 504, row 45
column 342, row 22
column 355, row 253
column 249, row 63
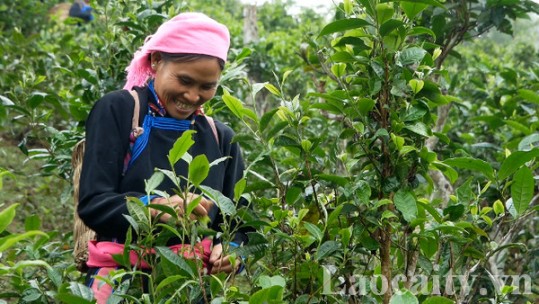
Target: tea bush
column 402, row 171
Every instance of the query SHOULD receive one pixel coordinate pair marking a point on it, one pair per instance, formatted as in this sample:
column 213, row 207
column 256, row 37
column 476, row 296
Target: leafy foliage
column 345, row 151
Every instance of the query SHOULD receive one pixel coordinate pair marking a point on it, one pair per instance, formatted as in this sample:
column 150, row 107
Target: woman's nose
column 192, row 96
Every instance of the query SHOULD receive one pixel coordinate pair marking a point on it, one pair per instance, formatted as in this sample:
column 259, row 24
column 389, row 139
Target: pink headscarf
column 187, row 33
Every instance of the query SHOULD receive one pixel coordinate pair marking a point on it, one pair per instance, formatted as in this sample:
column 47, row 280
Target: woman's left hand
column 221, row 263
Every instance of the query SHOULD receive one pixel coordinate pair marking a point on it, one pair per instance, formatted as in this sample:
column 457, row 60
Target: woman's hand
column 221, row 263
column 177, row 203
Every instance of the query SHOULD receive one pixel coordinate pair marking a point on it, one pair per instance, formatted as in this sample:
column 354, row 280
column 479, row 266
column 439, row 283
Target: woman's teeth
column 183, row 106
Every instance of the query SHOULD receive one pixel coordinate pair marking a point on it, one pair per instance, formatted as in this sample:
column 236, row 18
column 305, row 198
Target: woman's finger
column 223, row 264
column 203, row 208
column 216, row 252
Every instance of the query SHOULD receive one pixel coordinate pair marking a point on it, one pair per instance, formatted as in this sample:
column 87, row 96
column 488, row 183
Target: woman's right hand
column 177, row 203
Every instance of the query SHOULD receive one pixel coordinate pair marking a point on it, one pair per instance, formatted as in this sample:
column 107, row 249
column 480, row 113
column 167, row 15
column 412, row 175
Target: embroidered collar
column 156, row 105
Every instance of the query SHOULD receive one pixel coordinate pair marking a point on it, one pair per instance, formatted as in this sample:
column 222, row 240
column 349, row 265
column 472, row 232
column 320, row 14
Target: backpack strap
column 211, row 122
column 136, row 111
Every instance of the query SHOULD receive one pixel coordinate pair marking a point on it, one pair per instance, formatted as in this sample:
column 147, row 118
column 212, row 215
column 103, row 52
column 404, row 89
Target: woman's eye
column 208, row 87
column 185, row 81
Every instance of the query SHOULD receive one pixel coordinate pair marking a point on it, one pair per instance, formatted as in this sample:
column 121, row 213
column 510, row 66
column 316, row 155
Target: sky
column 320, row 6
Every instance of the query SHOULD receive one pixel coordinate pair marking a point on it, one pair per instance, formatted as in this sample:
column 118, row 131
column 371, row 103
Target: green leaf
column 132, row 222
column 336, row 179
column 472, row 164
column 384, row 11
column 429, row 245
column 454, row 212
column 411, row 9
column 55, row 276
column 3, row 173
column 170, row 174
column 6, row 101
column 273, row 294
column 365, row 105
column 181, row 146
column 36, row 99
column 418, row 128
column 191, row 205
column 175, row 259
column 233, row 104
column 10, row 240
column 273, row 90
column 406, row 203
column 136, row 209
column 522, row 189
column 226, row 205
column 498, row 207
column 405, row 297
column 416, row 85
column 154, row 181
column 529, row 142
column 407, row 149
column 438, row 300
column 326, row 249
column 292, row 195
column 256, row 87
column 529, row 95
column 431, row 210
column 345, row 57
column 245, row 52
column 314, row 230
column 398, row 141
column 30, row 295
column 266, row 281
column 343, row 25
column 515, row 161
column 518, row 126
column 334, row 215
column 358, row 43
column 414, row 113
column 33, row 222
column 266, row 118
column 218, row 161
column 327, row 107
column 250, row 114
column 428, row 2
column 72, row 299
column 6, row 216
column 199, row 169
column 387, row 215
column 448, row 171
column 419, row 30
column 239, row 188
column 339, row 69
column 412, row 55
column 390, row 26
column 348, row 6
column 169, row 280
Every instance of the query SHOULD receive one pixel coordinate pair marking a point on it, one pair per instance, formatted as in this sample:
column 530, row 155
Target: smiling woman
column 184, row 82
column 173, row 74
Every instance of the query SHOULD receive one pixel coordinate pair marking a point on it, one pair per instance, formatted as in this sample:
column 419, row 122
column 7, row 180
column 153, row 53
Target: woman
column 174, row 73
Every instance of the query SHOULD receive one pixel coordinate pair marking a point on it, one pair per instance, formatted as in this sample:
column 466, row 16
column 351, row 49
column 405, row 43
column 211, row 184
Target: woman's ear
column 155, row 59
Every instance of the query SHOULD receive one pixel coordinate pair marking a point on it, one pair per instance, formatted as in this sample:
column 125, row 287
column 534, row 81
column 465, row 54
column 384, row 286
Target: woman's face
column 183, row 87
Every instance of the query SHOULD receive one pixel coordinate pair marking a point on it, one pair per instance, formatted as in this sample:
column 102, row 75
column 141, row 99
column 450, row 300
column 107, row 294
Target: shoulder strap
column 213, row 128
column 136, row 111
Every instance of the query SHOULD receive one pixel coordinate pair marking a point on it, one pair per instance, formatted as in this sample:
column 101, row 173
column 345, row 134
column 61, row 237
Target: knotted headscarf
column 187, row 33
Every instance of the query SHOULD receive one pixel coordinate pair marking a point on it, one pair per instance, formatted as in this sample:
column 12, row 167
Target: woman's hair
column 183, row 57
